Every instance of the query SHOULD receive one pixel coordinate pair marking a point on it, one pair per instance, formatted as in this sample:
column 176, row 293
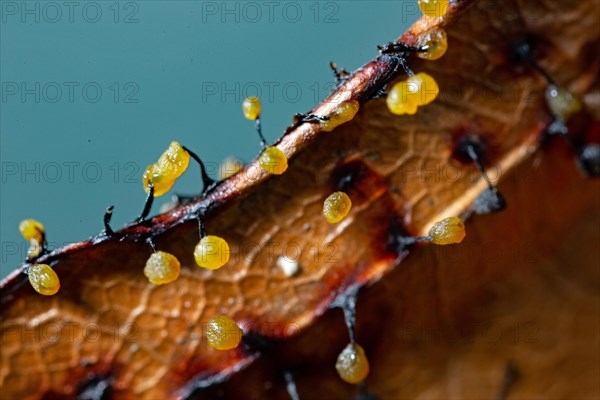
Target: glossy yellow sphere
column 162, row 184
column 434, row 8
column 223, row 333
column 162, row 268
column 211, row 252
column 407, row 96
column 43, row 279
column 251, row 108
column 435, row 44
column 336, row 207
column 448, row 231
column 273, row 160
column 341, row 114
column 561, row 102
column 32, row 230
column 352, row 364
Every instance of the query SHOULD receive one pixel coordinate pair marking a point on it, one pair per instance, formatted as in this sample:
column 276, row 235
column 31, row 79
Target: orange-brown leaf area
column 444, row 323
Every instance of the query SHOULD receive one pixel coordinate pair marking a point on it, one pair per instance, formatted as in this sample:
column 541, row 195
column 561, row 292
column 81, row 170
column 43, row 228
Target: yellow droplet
column 336, row 207
column 435, row 44
column 448, row 231
column 273, row 160
column 174, row 161
column 341, row 114
column 562, row 103
column 35, row 248
column 211, row 252
column 352, row 364
column 161, row 183
column 161, row 268
column 43, row 279
column 32, row 229
column 400, row 99
column 223, row 333
column 251, row 108
column 407, row 96
column 434, row 8
column 230, row 166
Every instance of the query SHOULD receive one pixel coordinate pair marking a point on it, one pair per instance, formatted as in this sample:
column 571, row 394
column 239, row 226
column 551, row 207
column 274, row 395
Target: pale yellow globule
column 211, row 252
column 434, row 43
column 223, row 333
column 161, row 268
column 561, row 102
column 448, row 231
column 336, row 206
column 341, row 114
column 43, row 279
column 251, row 108
column 407, row 96
column 273, row 160
column 352, row 364
column 170, row 166
column 32, row 230
column 434, row 8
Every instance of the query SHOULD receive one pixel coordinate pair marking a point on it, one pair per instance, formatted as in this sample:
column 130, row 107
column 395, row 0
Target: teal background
column 167, row 70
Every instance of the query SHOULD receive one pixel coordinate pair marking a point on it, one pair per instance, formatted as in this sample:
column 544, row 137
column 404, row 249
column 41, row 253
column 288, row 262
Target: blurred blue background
column 93, row 92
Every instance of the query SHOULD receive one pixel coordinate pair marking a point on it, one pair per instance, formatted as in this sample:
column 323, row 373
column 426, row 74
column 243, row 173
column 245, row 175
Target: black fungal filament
column 201, row 225
column 147, row 204
column 151, row 243
column 490, row 200
column 107, row 217
column 290, row 385
column 207, row 182
column 340, row 74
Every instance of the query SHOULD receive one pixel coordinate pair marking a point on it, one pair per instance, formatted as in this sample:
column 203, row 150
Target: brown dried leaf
column 108, row 323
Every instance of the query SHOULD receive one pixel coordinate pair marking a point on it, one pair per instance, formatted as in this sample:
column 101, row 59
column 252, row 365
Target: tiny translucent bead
column 435, row 44
column 32, row 230
column 211, row 252
column 273, row 160
column 162, row 268
column 336, row 207
column 43, row 279
column 562, row 103
column 162, row 184
column 230, row 166
column 223, row 333
column 448, row 231
column 352, row 364
column 407, row 96
column 343, row 113
column 174, row 161
column 434, row 8
column 251, row 108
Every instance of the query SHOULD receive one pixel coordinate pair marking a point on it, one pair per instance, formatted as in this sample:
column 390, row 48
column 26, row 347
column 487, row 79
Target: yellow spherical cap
column 251, row 108
column 273, row 160
column 401, row 98
column 448, row 231
column 561, row 102
column 162, row 268
column 352, row 364
column 174, row 161
column 162, row 184
column 211, row 252
column 427, row 88
column 336, row 207
column 43, row 279
column 343, row 113
column 434, row 8
column 229, row 167
column 435, row 44
column 223, row 333
column 32, row 230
